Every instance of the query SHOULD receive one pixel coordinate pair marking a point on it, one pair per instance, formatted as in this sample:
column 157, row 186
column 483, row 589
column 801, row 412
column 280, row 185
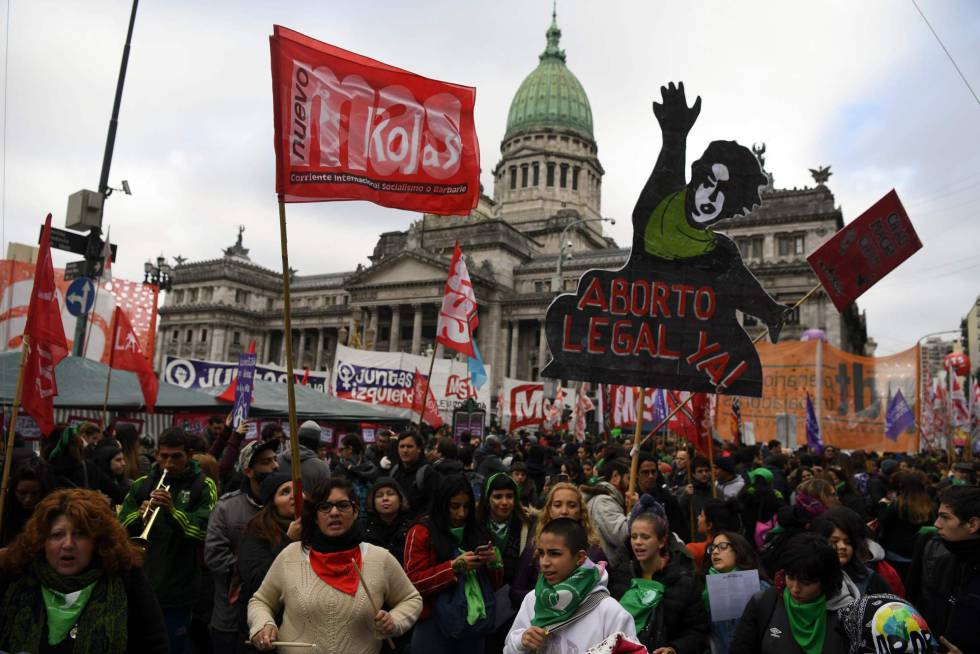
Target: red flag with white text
column 457, row 316
column 424, row 403
column 692, row 421
column 46, row 343
column 348, row 127
column 127, row 354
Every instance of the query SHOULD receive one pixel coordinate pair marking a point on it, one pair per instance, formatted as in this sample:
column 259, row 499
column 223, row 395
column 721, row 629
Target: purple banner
column 243, row 389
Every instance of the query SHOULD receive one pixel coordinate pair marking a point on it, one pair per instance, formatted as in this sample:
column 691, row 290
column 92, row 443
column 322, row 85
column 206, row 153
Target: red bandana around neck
column 336, row 570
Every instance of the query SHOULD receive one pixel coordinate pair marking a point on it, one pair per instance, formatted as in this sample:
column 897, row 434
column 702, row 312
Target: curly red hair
column 91, row 514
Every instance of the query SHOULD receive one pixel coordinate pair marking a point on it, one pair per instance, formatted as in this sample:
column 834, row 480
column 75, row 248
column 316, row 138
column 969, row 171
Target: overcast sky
column 861, row 86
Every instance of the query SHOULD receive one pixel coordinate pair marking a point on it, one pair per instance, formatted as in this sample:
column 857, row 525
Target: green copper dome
column 551, row 96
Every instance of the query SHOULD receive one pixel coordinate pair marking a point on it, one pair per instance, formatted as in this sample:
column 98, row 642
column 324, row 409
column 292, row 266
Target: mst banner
column 851, row 394
column 524, row 406
column 202, row 375
column 352, row 128
column 386, row 378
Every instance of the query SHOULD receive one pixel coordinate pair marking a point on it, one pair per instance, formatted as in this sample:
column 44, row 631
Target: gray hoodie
column 312, row 469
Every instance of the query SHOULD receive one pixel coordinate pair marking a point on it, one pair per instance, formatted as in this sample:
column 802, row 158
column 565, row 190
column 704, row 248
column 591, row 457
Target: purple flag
column 898, row 417
column 659, row 406
column 813, row 440
column 243, row 388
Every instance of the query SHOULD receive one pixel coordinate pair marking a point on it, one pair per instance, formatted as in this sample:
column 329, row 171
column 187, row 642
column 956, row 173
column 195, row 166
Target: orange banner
column 137, row 301
column 853, row 394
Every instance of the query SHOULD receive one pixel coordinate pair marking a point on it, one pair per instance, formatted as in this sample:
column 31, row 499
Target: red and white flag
column 107, row 258
column 692, row 422
column 127, row 354
column 960, row 412
column 582, row 406
column 351, row 128
column 46, row 343
column 457, row 316
column 424, row 403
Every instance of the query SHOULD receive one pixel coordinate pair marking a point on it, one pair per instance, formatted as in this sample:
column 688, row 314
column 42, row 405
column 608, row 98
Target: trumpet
column 143, row 540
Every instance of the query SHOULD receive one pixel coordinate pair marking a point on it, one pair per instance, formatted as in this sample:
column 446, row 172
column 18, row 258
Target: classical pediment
column 411, row 267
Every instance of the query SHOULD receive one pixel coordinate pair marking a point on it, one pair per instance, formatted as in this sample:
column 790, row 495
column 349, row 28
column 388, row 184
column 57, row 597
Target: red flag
column 351, row 128
column 425, row 402
column 46, row 344
column 127, row 354
column 691, row 422
column 458, row 317
column 306, row 376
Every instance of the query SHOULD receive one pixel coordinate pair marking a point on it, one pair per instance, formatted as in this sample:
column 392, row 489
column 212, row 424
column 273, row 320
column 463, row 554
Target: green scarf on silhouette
column 808, row 622
column 557, row 603
column 668, row 235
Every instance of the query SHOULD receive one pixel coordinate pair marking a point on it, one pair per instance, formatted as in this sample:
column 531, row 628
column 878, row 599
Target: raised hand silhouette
column 672, row 112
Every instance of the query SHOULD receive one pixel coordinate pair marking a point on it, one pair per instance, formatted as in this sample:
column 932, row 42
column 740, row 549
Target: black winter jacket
column 946, row 589
column 681, row 621
column 764, row 628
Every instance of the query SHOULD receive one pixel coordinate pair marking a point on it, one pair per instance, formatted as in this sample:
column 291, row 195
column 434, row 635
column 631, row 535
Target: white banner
column 386, row 378
column 201, row 375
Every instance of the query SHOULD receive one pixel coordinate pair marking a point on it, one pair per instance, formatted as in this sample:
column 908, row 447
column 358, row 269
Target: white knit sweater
column 315, row 612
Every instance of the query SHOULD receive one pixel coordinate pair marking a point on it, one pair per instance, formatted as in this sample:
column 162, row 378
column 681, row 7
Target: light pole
column 160, row 277
column 565, row 245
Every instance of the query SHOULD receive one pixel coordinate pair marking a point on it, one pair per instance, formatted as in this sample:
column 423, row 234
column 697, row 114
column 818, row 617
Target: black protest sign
column 667, row 318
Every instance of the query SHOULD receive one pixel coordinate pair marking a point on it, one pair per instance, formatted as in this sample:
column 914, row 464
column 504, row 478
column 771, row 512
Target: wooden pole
column 428, row 382
column 711, row 462
column 374, row 605
column 108, row 376
column 290, row 382
column 637, row 432
column 681, row 405
column 8, row 452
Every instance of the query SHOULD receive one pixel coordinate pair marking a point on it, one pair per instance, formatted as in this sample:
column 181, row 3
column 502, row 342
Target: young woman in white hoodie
column 570, row 608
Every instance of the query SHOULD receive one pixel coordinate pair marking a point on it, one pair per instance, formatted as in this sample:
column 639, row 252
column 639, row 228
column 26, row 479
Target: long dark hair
column 746, row 557
column 438, row 523
column 853, row 526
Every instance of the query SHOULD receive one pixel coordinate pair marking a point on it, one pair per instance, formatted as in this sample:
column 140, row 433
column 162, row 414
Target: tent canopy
column 81, row 385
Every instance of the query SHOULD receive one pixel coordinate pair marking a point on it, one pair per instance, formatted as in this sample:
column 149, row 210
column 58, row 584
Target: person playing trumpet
column 182, row 506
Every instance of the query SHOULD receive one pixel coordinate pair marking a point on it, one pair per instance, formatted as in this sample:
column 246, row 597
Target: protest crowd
column 515, row 543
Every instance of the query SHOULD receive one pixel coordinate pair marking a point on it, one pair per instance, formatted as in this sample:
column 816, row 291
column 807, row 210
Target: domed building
column 542, row 228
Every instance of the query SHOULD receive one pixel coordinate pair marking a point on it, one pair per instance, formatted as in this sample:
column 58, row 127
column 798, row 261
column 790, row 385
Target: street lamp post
column 160, row 277
column 564, row 245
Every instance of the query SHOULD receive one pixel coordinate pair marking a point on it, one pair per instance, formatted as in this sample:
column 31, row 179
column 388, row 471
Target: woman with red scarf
column 315, row 585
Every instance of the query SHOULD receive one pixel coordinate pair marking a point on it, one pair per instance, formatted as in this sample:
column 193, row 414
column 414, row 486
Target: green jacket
column 173, row 563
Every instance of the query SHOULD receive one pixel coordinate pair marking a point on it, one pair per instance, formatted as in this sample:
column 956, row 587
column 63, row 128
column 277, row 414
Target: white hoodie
column 604, row 620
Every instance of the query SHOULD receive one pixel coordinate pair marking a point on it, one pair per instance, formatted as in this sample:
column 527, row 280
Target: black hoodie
column 392, row 535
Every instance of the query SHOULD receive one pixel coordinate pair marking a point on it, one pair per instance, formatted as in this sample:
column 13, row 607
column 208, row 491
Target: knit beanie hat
column 885, row 623
column 647, row 504
column 309, row 434
column 271, row 484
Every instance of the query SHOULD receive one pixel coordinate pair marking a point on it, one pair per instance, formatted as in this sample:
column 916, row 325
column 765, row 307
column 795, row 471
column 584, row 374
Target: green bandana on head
column 554, row 604
column 642, row 599
column 475, row 608
column 808, row 622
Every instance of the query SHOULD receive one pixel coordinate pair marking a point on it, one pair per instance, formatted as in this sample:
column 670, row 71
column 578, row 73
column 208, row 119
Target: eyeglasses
column 723, row 546
column 343, row 506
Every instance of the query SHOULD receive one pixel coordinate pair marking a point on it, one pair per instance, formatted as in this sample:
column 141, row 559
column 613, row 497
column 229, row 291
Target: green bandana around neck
column 808, row 622
column 642, row 599
column 475, row 608
column 63, row 610
column 668, row 234
column 554, row 604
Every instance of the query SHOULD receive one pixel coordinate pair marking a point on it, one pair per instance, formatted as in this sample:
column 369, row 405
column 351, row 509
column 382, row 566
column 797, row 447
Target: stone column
column 417, row 329
column 515, row 332
column 300, row 350
column 266, row 346
column 282, row 350
column 394, row 334
column 542, row 348
column 373, row 328
column 319, row 349
column 492, row 349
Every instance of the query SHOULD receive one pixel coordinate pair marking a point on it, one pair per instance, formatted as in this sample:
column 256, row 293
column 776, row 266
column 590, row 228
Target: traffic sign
column 62, row 239
column 80, row 296
column 83, row 268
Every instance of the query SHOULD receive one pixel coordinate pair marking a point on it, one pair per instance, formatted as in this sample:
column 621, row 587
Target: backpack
column 419, row 475
column 449, row 610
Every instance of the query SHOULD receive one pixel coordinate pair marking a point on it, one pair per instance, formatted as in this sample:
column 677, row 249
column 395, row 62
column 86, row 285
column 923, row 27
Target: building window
column 204, row 336
column 513, row 177
column 524, row 176
column 575, row 172
column 270, row 304
column 792, row 245
column 178, row 297
column 241, row 297
column 539, row 287
column 236, row 338
column 564, row 175
column 570, row 284
column 750, row 248
column 536, row 168
column 190, row 336
column 551, row 174
column 193, row 297
column 175, row 336
column 207, row 294
column 792, row 317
